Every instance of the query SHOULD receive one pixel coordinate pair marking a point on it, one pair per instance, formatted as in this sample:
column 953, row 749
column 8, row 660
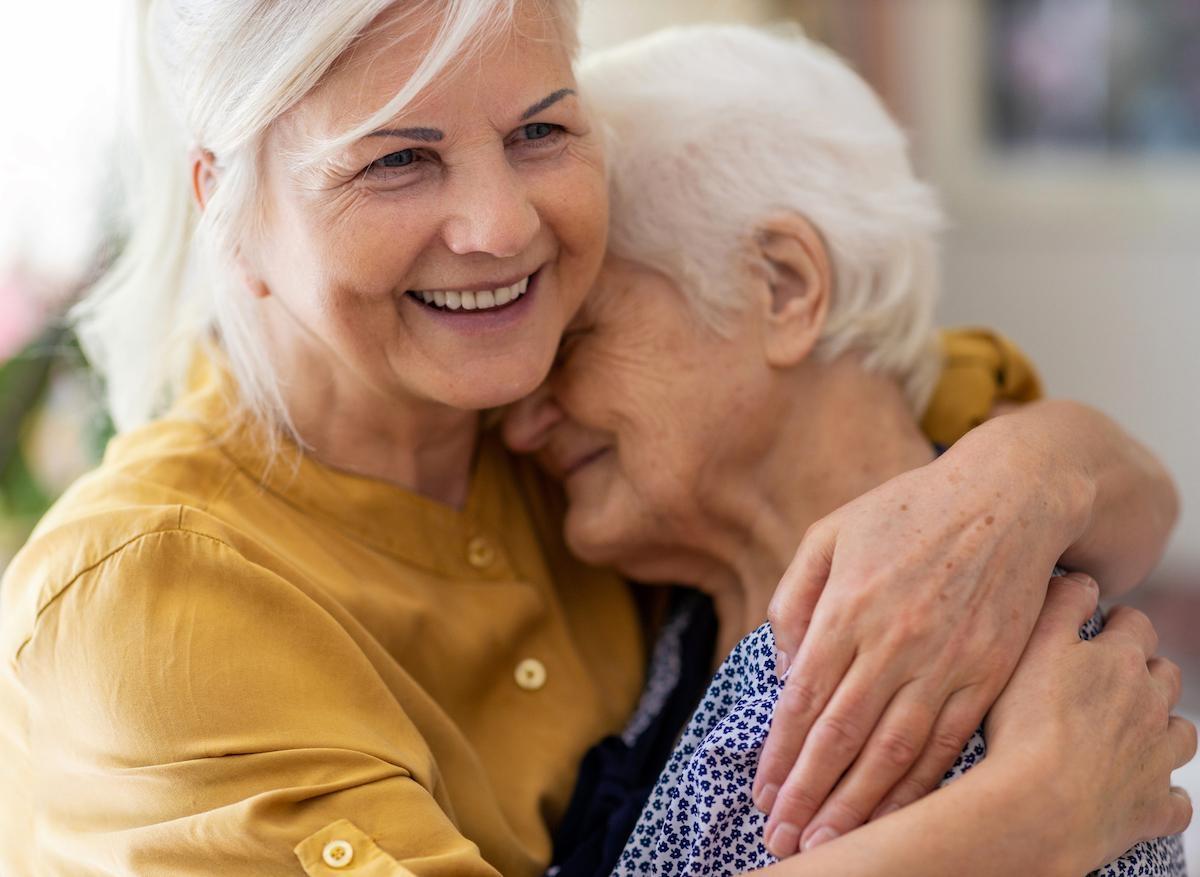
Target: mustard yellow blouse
column 213, row 666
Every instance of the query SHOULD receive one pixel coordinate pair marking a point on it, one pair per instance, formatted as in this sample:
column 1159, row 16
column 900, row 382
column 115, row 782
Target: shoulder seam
column 178, row 528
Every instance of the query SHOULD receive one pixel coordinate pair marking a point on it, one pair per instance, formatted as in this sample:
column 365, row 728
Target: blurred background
column 1064, row 136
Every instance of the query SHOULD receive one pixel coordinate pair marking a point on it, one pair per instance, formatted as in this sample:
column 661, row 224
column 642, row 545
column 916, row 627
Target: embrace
column 538, row 467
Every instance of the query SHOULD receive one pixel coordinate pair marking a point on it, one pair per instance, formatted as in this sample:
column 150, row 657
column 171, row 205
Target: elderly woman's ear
column 794, row 286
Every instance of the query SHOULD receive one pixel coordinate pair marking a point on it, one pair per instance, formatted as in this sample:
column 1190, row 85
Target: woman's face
column 645, row 413
column 439, row 258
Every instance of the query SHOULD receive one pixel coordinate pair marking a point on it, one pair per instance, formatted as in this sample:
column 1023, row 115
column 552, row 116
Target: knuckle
column 839, row 734
column 909, row 789
column 845, row 815
column 797, row 802
column 798, row 699
column 946, row 743
column 898, row 749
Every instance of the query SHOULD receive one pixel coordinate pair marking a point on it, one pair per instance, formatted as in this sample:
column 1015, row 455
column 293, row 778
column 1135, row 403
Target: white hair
column 715, row 128
column 214, row 75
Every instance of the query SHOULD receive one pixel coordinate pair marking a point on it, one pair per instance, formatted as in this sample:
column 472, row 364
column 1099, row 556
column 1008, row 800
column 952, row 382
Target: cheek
column 577, row 215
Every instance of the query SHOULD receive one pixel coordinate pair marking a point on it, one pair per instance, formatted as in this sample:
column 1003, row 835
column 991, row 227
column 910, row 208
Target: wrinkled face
column 645, row 413
column 440, row 257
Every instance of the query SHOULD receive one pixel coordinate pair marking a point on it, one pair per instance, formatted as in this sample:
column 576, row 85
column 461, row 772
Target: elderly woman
column 305, row 616
column 753, row 358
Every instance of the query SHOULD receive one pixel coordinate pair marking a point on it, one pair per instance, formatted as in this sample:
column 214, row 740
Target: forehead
column 490, row 68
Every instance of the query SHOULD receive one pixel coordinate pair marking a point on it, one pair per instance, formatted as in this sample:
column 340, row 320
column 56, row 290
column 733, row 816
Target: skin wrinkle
column 702, row 485
column 389, row 390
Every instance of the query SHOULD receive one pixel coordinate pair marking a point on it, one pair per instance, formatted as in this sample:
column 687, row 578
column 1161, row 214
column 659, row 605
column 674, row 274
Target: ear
column 204, row 182
column 796, row 286
column 204, row 175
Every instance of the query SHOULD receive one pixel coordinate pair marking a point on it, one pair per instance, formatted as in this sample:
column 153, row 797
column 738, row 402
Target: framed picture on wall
column 1054, row 110
column 1117, row 76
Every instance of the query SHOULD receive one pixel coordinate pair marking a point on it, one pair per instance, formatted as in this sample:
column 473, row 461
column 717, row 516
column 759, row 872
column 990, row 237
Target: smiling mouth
column 466, row 301
column 585, row 460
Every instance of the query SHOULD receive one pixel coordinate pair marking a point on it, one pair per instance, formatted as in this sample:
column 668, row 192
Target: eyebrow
column 547, row 101
column 425, row 135
column 435, row 135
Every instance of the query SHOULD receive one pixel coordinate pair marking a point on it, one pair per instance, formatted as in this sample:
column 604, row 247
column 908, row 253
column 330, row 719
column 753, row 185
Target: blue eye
column 539, row 130
column 397, row 159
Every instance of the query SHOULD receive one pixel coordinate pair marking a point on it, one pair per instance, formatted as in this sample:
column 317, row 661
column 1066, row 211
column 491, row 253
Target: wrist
column 1020, row 453
column 1021, row 791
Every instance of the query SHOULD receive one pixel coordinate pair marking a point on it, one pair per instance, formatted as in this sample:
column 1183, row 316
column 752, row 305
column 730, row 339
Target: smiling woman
column 307, row 614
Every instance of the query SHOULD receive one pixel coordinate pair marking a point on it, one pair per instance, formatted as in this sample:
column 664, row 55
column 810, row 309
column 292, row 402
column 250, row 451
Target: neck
column 426, row 448
column 347, row 424
column 844, row 432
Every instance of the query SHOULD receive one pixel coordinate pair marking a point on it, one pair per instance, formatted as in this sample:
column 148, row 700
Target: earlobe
column 797, row 284
column 256, row 285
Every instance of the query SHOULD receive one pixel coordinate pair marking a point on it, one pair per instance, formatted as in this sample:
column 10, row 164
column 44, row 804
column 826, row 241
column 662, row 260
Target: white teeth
column 472, row 301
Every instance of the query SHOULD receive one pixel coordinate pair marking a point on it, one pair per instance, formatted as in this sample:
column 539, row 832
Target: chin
column 596, row 541
column 493, row 382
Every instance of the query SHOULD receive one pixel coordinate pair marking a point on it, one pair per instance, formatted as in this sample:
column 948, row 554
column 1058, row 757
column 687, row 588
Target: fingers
column 836, row 739
column 889, row 754
column 820, row 666
column 1175, row 815
column 959, row 719
column 1182, row 736
column 1070, row 601
column 1124, row 621
column 792, row 605
column 1167, row 675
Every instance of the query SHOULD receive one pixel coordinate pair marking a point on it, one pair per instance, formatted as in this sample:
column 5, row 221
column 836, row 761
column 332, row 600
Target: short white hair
column 715, row 128
column 215, row 75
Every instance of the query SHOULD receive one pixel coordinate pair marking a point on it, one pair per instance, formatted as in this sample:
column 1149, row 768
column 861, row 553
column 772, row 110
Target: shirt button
column 531, row 674
column 338, row 854
column 480, row 553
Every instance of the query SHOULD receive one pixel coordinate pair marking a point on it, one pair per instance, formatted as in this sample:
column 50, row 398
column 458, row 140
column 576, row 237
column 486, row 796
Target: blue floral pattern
column 700, row 819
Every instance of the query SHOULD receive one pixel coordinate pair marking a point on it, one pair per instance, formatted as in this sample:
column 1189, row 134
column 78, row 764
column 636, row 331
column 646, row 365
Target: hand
column 928, row 587
column 1091, row 722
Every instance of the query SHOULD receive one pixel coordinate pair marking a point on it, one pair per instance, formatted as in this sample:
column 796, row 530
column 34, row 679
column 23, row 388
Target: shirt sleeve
column 980, row 369
column 192, row 713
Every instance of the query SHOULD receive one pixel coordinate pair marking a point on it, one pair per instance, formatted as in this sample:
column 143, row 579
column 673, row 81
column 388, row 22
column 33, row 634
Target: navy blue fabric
column 619, row 773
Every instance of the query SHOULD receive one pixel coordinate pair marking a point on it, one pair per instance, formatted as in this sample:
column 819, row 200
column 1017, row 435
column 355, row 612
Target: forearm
column 1118, row 501
column 989, row 822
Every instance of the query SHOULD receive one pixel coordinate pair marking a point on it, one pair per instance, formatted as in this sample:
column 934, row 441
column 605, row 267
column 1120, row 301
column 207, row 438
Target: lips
column 474, row 300
column 583, row 460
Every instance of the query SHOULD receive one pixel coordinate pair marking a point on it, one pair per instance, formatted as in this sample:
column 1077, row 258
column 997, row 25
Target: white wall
column 1093, row 265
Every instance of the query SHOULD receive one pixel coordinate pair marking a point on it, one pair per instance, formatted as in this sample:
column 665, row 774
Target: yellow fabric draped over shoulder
column 980, row 370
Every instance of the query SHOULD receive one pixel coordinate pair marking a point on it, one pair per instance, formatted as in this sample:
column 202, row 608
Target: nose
column 527, row 424
column 493, row 213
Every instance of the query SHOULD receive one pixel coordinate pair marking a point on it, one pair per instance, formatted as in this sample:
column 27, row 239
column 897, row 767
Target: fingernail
column 820, row 836
column 783, row 840
column 766, row 798
column 782, row 662
column 1084, row 579
column 884, row 811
